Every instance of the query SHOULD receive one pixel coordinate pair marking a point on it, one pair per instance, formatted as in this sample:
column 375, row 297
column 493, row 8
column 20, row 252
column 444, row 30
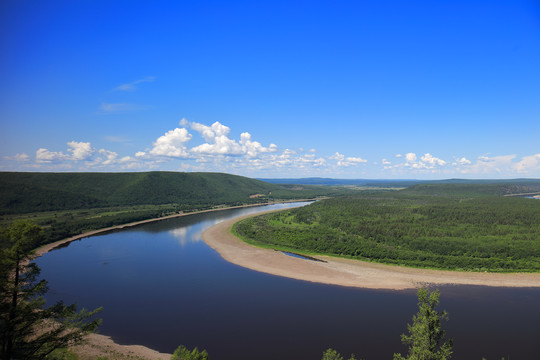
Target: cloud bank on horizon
column 174, row 150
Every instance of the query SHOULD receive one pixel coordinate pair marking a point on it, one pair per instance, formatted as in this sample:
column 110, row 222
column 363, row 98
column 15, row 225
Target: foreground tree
column 183, row 353
column 27, row 329
column 331, row 354
column 426, row 338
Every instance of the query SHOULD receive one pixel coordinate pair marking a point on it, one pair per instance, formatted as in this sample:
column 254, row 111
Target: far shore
column 348, row 272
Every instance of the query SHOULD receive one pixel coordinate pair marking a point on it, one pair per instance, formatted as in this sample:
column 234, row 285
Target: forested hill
column 30, row 192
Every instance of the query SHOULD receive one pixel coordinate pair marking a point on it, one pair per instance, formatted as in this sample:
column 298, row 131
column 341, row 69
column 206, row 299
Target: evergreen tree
column 27, row 329
column 331, row 354
column 426, row 338
column 183, row 353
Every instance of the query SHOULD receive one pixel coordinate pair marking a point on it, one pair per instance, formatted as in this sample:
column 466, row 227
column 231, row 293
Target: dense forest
column 31, row 192
column 66, row 204
column 443, row 226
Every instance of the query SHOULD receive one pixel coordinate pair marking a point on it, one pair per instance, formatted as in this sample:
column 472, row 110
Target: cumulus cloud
column 109, row 157
column 80, row 150
column 172, row 144
column 461, row 162
column 218, row 141
column 346, row 161
column 81, row 153
column 410, row 157
column 46, row 156
column 528, row 163
column 427, row 161
column 430, row 161
column 254, row 148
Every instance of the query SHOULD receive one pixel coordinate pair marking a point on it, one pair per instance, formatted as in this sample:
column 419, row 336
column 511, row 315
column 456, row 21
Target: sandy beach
column 348, row 272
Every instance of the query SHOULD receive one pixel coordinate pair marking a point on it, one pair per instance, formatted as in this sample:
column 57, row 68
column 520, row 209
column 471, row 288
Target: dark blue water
column 161, row 286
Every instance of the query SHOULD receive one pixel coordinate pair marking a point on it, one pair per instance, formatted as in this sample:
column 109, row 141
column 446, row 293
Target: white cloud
column 46, row 156
column 110, row 157
column 461, row 162
column 218, row 141
column 254, row 148
column 431, row 161
column 18, row 157
column 490, row 165
column 425, row 162
column 132, row 85
column 80, row 150
column 528, row 163
column 356, row 160
column 410, row 157
column 346, row 161
column 172, row 144
column 209, row 133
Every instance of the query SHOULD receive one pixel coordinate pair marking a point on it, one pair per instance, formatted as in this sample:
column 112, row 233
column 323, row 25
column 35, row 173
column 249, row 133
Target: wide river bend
column 162, row 286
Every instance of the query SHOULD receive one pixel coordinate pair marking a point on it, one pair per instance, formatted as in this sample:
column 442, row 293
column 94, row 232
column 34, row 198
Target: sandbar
column 348, row 272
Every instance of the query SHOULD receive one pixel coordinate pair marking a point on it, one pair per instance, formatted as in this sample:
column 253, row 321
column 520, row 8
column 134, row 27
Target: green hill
column 31, row 192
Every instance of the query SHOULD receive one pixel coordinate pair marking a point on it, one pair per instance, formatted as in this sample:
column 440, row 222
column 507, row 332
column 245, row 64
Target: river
column 162, row 286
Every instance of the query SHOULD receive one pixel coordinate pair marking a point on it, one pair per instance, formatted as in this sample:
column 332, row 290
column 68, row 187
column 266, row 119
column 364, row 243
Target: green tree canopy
column 28, row 330
column 331, row 354
column 183, row 353
column 426, row 338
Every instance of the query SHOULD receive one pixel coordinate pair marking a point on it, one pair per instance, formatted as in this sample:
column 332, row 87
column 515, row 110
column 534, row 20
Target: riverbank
column 101, row 346
column 348, row 272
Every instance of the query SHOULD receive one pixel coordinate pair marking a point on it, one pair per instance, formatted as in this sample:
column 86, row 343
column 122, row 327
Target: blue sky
column 343, row 89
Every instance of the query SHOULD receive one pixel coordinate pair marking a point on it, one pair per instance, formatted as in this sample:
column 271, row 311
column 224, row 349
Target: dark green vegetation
column 444, row 226
column 31, row 192
column 182, row 353
column 28, row 330
column 426, row 338
column 67, row 204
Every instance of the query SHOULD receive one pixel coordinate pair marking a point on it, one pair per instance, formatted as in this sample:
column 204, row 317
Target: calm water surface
column 162, row 286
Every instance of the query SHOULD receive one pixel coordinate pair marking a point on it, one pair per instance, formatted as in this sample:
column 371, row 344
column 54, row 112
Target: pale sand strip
column 347, row 272
column 97, row 345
